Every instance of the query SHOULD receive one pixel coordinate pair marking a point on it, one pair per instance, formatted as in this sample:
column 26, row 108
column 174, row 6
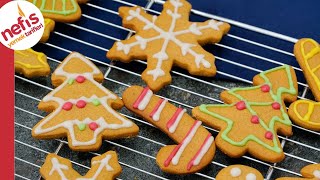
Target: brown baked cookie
column 310, row 172
column 103, row 167
column 81, row 108
column 31, row 63
column 195, row 147
column 48, row 28
column 167, row 40
column 252, row 116
column 239, row 172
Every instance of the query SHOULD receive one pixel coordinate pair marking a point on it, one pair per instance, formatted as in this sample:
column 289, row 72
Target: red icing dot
column 80, row 79
column 241, row 105
column 265, row 88
column 276, row 105
column 81, row 104
column 67, row 106
column 93, row 126
column 255, row 119
column 268, row 135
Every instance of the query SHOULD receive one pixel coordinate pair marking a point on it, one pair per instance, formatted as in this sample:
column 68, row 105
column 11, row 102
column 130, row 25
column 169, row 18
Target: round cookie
column 310, row 172
column 239, row 172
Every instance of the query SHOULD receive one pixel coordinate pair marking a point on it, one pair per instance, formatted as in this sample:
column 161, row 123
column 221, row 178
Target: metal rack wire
column 139, row 161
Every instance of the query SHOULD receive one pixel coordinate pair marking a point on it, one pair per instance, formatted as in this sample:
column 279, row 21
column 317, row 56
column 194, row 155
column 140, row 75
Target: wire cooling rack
column 241, row 54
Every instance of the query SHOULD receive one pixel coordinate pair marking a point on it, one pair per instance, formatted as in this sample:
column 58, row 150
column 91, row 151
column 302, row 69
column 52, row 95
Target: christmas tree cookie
column 310, row 172
column 81, row 108
column 239, row 172
column 195, row 147
column 103, row 167
column 167, row 40
column 251, row 117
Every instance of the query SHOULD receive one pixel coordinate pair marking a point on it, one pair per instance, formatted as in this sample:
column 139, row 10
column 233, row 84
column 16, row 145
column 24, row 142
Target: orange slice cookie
column 239, row 172
column 31, row 63
column 48, row 28
column 252, row 116
column 81, row 108
column 166, row 40
column 310, row 172
column 103, row 167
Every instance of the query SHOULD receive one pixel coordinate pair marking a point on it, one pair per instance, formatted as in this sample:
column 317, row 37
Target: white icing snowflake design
column 156, row 37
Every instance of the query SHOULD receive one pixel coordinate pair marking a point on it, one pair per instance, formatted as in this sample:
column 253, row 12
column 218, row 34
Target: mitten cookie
column 48, row 27
column 251, row 117
column 103, row 167
column 31, row 63
column 167, row 40
column 83, row 110
column 239, row 172
column 310, row 172
column 195, row 147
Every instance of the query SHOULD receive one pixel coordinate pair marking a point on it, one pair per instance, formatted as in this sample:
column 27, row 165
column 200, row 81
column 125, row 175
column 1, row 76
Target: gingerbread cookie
column 195, row 147
column 310, row 172
column 83, row 110
column 31, row 63
column 167, row 40
column 239, row 172
column 48, row 27
column 251, row 117
column 103, row 167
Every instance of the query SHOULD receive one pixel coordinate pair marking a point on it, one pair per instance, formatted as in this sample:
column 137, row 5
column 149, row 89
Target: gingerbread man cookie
column 310, row 172
column 251, row 117
column 83, row 110
column 239, row 172
column 31, row 63
column 195, row 147
column 167, row 40
column 103, row 167
column 48, row 28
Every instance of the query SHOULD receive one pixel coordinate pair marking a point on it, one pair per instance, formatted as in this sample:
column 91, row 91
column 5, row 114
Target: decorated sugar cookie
column 310, row 172
column 251, row 117
column 167, row 40
column 195, row 147
column 48, row 28
column 81, row 108
column 31, row 63
column 239, row 172
column 104, row 167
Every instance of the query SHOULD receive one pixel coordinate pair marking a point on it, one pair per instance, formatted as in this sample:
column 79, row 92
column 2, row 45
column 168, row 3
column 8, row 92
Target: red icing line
column 174, row 118
column 190, row 164
column 140, row 98
column 156, row 107
column 175, row 150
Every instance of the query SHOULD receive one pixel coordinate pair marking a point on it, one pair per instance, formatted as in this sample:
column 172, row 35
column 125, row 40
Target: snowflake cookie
column 103, row 167
column 166, row 40
column 81, row 108
column 310, row 172
column 252, row 116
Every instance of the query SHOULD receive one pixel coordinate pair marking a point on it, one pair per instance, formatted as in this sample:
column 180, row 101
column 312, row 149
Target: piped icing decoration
column 56, row 9
column 316, row 174
column 155, row 114
column 253, row 107
column 82, row 126
column 100, row 124
column 241, row 105
column 235, row 172
column 170, row 28
column 96, row 102
column 251, row 176
column 71, row 81
column 105, row 166
column 172, row 124
column 143, row 99
column 265, row 88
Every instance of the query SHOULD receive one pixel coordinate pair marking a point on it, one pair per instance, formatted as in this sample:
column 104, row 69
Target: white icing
column 316, row 174
column 145, row 101
column 104, row 164
column 174, row 126
column 156, row 115
column 235, row 172
column 69, row 124
column 203, row 151
column 185, row 142
column 57, row 167
column 251, row 176
column 167, row 36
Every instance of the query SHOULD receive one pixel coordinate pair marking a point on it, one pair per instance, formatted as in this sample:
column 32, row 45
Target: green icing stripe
column 276, row 98
column 54, row 11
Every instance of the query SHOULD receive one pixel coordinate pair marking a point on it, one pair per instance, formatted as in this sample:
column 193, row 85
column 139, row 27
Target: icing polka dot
column 255, row 119
column 316, row 174
column 81, row 104
column 80, row 79
column 67, row 106
column 265, row 88
column 96, row 102
column 269, row 135
column 71, row 81
column 82, row 126
column 251, row 176
column 276, row 105
column 93, row 126
column 241, row 105
column 235, row 172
